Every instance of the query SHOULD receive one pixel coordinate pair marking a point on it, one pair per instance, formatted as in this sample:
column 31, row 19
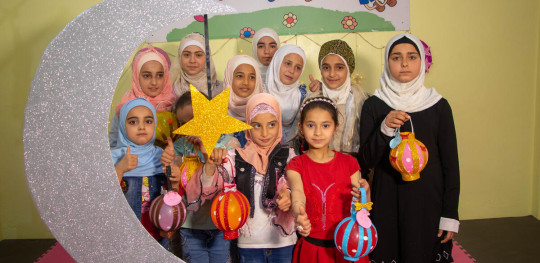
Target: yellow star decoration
column 210, row 119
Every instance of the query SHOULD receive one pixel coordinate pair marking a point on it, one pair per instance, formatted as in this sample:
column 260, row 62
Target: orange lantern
column 410, row 157
column 230, row 211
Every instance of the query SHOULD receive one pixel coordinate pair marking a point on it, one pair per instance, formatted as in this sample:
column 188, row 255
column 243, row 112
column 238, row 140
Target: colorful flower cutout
column 349, row 22
column 247, row 32
column 289, row 20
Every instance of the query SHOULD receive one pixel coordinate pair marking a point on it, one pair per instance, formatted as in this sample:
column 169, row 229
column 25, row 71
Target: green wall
column 486, row 57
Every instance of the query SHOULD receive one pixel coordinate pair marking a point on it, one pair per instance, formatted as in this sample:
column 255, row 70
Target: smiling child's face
column 151, row 78
column 291, row 68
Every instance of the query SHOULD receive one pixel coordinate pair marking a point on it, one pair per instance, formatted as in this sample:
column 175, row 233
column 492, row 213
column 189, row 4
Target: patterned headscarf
column 252, row 153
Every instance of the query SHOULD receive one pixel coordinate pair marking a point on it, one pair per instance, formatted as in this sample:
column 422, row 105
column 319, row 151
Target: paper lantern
column 166, row 123
column 168, row 212
column 230, row 211
column 356, row 236
column 410, row 157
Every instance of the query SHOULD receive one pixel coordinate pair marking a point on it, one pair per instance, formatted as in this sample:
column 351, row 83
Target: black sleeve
column 373, row 143
column 449, row 161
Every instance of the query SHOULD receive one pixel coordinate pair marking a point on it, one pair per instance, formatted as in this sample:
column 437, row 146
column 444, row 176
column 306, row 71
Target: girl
column 336, row 62
column 149, row 80
column 264, row 46
column 243, row 76
column 415, row 220
column 323, row 183
column 189, row 67
column 283, row 82
column 259, row 167
column 137, row 160
column 198, row 240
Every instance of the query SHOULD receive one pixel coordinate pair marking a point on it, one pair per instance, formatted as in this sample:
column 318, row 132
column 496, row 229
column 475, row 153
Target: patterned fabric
column 339, row 47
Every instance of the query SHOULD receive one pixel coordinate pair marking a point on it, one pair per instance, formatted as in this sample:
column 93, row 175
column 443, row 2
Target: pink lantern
column 168, row 212
column 356, row 236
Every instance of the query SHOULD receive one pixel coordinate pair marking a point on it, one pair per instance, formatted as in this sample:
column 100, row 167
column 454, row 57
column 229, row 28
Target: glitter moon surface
column 68, row 164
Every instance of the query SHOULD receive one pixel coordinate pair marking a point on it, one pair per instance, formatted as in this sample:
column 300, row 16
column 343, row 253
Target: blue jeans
column 266, row 255
column 204, row 246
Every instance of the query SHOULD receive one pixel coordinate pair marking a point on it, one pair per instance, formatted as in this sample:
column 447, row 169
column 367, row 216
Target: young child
column 198, row 240
column 149, row 80
column 189, row 67
column 137, row 160
column 283, row 82
column 264, row 46
column 415, row 220
column 323, row 183
column 336, row 62
column 259, row 170
column 243, row 76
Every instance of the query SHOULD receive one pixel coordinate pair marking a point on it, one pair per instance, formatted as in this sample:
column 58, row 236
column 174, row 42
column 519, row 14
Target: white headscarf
column 237, row 105
column 341, row 94
column 288, row 96
column 181, row 79
column 412, row 96
column 263, row 32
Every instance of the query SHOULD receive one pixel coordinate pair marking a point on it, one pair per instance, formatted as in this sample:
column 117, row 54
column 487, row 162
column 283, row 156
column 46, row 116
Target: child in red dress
column 323, row 183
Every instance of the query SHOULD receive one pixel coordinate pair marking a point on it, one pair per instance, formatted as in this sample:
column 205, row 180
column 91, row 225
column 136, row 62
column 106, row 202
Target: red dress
column 327, row 187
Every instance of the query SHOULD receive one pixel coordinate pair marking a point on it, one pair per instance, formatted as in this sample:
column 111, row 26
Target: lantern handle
column 412, row 127
column 226, row 160
column 363, row 201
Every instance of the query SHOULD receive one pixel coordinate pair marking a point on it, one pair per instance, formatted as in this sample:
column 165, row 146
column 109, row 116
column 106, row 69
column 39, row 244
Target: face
column 318, row 128
column 243, row 83
column 291, row 68
column 265, row 129
column 193, row 60
column 151, row 78
column 334, row 71
column 140, row 125
column 404, row 62
column 184, row 114
column 266, row 48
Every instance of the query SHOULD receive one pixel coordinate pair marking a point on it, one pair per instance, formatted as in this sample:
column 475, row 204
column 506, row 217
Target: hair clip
column 322, row 99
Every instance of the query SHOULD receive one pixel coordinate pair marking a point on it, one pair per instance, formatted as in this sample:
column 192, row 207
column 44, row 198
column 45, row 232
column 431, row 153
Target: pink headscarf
column 161, row 102
column 237, row 105
column 253, row 153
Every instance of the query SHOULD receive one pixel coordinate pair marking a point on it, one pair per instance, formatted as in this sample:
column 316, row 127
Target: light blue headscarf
column 148, row 154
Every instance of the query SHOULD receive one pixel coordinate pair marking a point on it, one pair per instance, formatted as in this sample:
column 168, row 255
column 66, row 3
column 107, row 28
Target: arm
column 373, row 140
column 126, row 164
column 447, row 142
column 299, row 202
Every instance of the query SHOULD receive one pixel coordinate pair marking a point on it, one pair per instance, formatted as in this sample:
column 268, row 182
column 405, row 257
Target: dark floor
column 487, row 240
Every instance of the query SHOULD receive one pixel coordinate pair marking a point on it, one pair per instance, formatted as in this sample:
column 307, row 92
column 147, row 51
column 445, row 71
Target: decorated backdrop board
column 67, row 158
column 295, row 17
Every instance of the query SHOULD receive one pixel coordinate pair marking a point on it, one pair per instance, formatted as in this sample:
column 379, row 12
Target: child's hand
column 284, row 200
column 197, row 143
column 396, row 118
column 218, row 154
column 315, row 85
column 448, row 237
column 214, row 160
column 168, row 153
column 356, row 191
column 302, row 222
column 129, row 161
